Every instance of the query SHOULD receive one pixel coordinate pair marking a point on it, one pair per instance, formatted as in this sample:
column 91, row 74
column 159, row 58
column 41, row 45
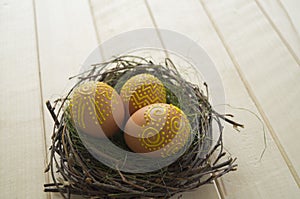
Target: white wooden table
column 255, row 45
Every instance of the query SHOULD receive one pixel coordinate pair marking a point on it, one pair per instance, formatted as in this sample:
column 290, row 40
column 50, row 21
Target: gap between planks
column 156, row 28
column 253, row 97
column 47, row 178
column 289, row 17
column 96, row 28
column 217, row 184
column 283, row 40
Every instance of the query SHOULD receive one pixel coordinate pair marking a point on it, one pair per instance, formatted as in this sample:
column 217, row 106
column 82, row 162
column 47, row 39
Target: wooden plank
column 291, row 8
column 63, row 45
column 266, row 178
column 22, row 152
column 281, row 22
column 267, row 69
column 66, row 37
column 115, row 17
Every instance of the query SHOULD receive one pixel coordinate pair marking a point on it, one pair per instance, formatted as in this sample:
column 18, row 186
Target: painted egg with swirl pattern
column 142, row 90
column 97, row 109
column 157, row 130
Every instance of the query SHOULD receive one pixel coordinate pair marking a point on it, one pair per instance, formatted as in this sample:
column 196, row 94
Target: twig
column 51, row 110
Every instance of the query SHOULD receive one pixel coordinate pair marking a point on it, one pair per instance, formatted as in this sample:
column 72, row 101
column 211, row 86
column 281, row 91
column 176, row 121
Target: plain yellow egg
column 97, row 109
column 157, row 130
column 142, row 90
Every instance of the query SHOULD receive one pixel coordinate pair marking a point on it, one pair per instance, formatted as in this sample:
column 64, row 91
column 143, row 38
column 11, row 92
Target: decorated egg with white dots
column 142, row 90
column 157, row 130
column 97, row 109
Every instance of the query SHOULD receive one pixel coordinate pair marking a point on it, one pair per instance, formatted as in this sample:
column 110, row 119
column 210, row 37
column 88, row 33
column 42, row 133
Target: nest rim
column 191, row 170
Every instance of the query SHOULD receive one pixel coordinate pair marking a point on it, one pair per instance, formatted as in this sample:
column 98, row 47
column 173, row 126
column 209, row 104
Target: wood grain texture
column 267, row 69
column 252, row 180
column 63, row 46
column 66, row 36
column 112, row 19
column 291, row 8
column 22, row 154
column 119, row 16
column 254, row 44
column 281, row 22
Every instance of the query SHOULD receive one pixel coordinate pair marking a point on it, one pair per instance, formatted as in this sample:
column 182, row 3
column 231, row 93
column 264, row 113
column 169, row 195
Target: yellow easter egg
column 142, row 90
column 157, row 130
column 97, row 109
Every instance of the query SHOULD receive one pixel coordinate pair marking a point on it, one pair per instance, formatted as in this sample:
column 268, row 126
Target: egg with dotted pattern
column 142, row 90
column 97, row 109
column 157, row 130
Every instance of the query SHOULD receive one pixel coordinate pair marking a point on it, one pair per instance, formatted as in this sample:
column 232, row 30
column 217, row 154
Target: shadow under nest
column 75, row 171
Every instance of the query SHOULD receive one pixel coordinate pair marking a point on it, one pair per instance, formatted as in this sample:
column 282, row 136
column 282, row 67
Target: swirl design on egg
column 166, row 128
column 90, row 101
column 86, row 88
column 156, row 115
column 152, row 138
column 177, row 124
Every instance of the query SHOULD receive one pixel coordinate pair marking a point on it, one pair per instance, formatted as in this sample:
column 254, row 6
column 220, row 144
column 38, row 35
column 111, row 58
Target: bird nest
column 74, row 170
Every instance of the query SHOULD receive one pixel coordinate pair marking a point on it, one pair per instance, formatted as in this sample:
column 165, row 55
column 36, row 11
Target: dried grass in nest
column 80, row 173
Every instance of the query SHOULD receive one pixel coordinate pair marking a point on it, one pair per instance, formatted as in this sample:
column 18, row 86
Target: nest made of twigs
column 75, row 171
